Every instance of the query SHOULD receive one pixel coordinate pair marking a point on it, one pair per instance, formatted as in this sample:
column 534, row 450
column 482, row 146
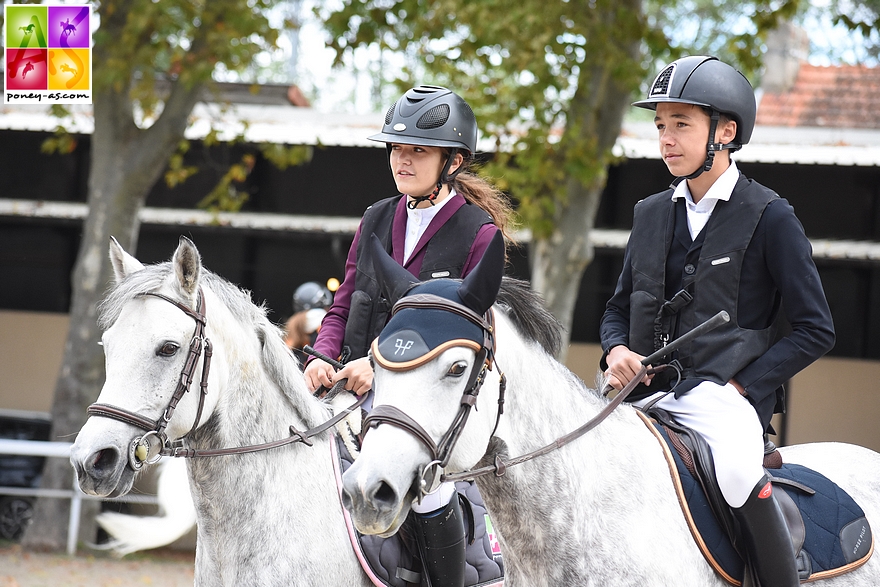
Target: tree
column 863, row 17
column 138, row 42
column 550, row 82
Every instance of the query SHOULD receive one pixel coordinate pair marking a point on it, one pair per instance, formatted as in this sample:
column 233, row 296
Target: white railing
column 40, row 448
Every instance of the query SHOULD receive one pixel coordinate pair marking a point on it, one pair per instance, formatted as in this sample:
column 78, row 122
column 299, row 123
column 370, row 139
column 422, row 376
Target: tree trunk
column 593, row 125
column 558, row 262
column 125, row 164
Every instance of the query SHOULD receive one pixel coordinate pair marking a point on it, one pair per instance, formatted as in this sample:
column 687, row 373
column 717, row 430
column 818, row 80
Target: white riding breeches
column 730, row 426
column 436, row 500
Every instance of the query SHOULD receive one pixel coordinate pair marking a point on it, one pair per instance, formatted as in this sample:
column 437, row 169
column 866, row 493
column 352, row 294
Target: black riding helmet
column 431, row 116
column 707, row 82
column 311, row 295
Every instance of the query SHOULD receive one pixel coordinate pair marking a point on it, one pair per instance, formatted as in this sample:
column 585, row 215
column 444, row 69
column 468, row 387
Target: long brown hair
column 480, row 192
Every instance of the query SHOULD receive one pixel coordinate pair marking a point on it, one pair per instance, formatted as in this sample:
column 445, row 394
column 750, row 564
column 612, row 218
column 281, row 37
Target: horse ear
column 480, row 288
column 187, row 266
column 123, row 263
column 394, row 280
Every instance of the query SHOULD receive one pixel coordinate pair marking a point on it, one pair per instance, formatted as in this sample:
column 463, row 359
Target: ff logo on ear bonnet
column 415, row 336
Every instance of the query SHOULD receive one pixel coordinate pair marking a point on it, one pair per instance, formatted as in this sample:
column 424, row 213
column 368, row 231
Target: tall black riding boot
column 441, row 538
column 767, row 539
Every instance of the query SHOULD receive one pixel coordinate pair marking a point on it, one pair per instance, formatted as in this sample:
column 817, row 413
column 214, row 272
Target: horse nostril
column 104, row 460
column 384, row 494
column 346, row 499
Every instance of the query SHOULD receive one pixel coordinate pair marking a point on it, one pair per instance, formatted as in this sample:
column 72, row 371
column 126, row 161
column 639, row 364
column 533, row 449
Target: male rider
column 717, row 240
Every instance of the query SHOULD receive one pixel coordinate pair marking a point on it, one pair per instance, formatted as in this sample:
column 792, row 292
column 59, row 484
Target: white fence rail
column 39, row 448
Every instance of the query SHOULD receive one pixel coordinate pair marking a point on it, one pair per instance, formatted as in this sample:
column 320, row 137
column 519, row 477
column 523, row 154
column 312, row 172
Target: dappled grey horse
column 598, row 511
column 265, row 518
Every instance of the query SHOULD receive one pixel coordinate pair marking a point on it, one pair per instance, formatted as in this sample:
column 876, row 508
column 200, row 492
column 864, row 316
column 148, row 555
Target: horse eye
column 168, row 349
column 457, row 369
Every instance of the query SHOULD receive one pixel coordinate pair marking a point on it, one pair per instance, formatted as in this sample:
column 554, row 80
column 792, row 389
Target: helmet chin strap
column 444, row 178
column 711, row 149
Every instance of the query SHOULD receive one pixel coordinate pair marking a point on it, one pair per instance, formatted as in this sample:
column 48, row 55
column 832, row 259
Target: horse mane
column 526, row 310
column 152, row 277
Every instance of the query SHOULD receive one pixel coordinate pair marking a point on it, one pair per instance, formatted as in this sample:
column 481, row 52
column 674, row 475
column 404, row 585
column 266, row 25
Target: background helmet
column 310, row 295
column 430, row 116
column 706, row 81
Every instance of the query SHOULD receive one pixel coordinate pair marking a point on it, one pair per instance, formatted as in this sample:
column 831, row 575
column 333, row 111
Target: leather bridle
column 387, row 414
column 153, row 445
column 155, row 440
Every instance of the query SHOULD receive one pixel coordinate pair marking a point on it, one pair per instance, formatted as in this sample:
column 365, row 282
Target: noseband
column 149, row 447
column 387, row 414
column 153, row 445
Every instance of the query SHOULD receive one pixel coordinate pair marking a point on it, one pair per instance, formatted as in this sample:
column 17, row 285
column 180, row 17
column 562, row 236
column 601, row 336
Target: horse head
column 429, row 361
column 147, row 343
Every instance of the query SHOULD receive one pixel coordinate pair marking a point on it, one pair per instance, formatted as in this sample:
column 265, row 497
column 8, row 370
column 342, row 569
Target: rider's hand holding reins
column 318, row 373
column 359, row 374
column 623, row 365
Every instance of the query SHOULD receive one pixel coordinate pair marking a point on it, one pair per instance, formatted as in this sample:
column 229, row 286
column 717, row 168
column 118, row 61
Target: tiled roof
column 845, row 96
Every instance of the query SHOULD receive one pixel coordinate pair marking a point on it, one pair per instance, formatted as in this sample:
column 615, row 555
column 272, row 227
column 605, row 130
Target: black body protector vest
column 713, row 282
column 445, row 256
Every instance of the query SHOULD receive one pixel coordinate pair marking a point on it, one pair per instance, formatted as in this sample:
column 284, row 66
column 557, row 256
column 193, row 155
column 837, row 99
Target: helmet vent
column 467, row 108
column 434, row 118
column 390, row 114
column 662, row 83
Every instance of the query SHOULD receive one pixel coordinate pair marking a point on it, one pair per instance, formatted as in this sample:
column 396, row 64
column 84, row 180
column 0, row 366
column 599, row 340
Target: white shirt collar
column 417, row 221
column 720, row 190
column 698, row 214
column 425, row 215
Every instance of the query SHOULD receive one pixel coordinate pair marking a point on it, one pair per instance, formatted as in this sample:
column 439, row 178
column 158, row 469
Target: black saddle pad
column 382, row 557
column 837, row 537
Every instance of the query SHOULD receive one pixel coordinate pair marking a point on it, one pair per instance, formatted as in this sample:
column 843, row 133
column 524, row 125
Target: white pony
column 599, row 511
column 265, row 518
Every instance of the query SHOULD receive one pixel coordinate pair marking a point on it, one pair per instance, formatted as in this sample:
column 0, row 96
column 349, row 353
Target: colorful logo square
column 26, row 69
column 69, row 69
column 26, row 26
column 69, row 26
column 48, row 54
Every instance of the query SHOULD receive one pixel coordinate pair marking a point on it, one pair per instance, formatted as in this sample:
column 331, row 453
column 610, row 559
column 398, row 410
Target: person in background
column 717, row 240
column 310, row 303
column 437, row 227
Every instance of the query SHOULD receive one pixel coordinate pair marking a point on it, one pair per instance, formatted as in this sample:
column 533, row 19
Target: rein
column 153, row 445
column 499, row 467
column 440, row 452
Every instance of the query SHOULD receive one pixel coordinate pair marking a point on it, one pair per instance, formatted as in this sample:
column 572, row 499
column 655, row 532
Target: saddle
column 830, row 533
column 394, row 561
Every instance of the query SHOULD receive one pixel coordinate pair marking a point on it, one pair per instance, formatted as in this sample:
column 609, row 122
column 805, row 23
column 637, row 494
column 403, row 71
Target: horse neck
column 262, row 392
column 544, row 399
column 241, row 498
column 600, row 469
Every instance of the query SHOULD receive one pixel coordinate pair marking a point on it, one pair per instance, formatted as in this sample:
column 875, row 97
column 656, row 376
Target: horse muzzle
column 376, row 508
column 101, row 471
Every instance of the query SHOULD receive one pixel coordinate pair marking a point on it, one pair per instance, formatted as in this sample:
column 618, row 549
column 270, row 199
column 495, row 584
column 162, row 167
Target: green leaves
column 520, row 66
column 178, row 40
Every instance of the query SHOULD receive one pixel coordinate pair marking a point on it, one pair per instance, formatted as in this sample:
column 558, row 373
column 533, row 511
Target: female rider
column 439, row 226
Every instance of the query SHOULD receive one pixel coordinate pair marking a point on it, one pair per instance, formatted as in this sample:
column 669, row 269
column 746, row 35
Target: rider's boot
column 767, row 539
column 441, row 539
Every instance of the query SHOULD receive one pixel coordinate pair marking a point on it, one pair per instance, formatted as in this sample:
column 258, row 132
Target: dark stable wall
column 37, row 255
